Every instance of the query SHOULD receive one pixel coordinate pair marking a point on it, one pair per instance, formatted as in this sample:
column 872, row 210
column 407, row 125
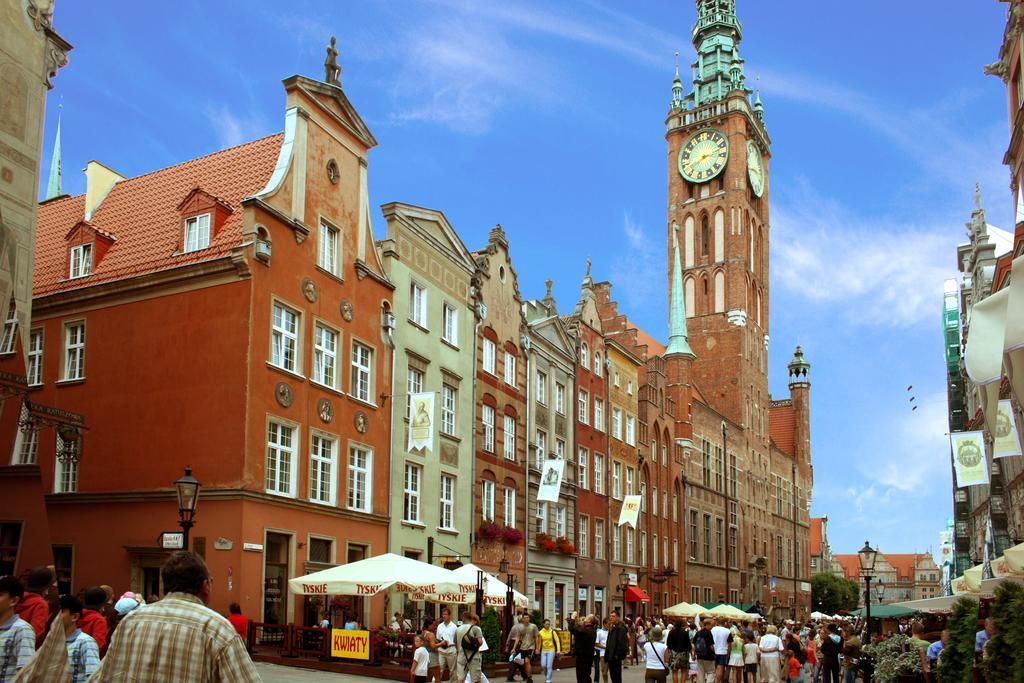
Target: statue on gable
column 332, row 72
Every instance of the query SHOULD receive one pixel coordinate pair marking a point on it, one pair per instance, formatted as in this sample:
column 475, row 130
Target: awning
column 885, row 612
column 1014, row 342
column 636, row 594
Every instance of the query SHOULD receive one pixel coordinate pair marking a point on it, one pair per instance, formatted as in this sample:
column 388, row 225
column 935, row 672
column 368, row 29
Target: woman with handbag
column 656, row 653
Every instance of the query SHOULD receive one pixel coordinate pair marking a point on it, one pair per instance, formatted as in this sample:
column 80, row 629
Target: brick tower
column 718, row 151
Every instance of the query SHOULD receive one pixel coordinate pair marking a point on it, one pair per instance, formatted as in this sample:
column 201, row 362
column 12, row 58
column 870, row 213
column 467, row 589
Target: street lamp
column 880, row 590
column 481, row 585
column 188, row 495
column 503, row 568
column 868, row 555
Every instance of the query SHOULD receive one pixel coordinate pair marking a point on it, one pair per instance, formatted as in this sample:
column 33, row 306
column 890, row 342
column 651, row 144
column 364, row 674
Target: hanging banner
column 421, row 426
column 969, row 458
column 1007, row 440
column 551, row 480
column 630, row 510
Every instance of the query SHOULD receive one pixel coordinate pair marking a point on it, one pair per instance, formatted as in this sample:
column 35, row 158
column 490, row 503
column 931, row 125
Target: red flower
column 512, row 536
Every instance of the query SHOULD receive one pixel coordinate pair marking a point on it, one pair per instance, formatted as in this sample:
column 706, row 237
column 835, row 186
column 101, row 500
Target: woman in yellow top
column 548, row 649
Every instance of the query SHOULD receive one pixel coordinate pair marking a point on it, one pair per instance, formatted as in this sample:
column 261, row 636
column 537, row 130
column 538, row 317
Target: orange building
column 230, row 314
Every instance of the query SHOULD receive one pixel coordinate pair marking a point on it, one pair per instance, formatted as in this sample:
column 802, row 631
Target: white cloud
column 639, row 271
column 867, row 271
column 232, row 129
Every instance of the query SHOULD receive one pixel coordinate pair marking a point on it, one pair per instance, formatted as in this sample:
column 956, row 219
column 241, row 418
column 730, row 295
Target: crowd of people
column 93, row 636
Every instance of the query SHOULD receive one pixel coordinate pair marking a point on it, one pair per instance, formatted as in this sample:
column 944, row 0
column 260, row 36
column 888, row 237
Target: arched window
column 719, row 236
column 719, row 292
column 759, row 308
column 585, row 355
column 689, row 293
column 705, row 237
column 597, row 363
column 688, row 242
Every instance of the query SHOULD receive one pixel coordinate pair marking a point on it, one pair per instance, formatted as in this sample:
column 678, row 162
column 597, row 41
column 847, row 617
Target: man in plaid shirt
column 17, row 637
column 178, row 638
column 83, row 651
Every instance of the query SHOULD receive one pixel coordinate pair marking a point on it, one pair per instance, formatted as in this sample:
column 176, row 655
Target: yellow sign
column 564, row 641
column 350, row 644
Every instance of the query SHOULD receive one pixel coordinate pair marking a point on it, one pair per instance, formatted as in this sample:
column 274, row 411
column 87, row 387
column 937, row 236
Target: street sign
column 172, row 540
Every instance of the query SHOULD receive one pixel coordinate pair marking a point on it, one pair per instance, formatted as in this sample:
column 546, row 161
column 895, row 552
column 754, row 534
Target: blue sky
column 548, row 118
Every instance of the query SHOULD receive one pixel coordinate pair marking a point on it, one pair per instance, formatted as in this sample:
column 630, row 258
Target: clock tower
column 718, row 152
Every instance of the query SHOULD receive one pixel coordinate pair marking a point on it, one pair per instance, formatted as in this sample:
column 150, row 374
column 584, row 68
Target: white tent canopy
column 375, row 575
column 495, row 590
column 684, row 609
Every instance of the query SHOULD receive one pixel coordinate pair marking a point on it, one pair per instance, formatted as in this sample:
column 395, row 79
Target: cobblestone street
column 273, row 673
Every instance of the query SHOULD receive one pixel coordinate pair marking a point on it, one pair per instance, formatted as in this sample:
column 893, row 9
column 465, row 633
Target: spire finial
column 587, row 274
column 977, row 196
column 53, row 184
column 332, row 72
column 677, row 64
column 547, row 288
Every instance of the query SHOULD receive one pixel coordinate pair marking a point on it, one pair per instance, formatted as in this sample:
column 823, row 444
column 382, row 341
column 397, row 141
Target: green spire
column 53, row 187
column 799, row 369
column 677, row 337
column 677, row 89
column 718, row 70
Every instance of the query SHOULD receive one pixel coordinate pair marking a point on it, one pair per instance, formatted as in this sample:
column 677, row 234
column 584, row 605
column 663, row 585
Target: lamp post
column 503, row 568
column 867, row 566
column 880, row 590
column 188, row 495
column 481, row 584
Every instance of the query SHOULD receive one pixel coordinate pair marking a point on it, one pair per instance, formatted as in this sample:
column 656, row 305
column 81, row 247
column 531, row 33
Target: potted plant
column 512, row 535
column 563, row 546
column 895, row 659
column 489, row 531
column 546, row 542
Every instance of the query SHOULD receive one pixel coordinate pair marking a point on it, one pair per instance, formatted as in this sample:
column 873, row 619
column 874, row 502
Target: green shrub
column 490, row 624
column 1004, row 654
column 893, row 658
column 957, row 658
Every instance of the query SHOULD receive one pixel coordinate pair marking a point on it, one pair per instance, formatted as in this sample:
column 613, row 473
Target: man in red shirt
column 33, row 606
column 240, row 622
column 92, row 621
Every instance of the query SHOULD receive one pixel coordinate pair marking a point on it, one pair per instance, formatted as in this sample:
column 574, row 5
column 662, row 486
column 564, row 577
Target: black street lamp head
column 623, row 579
column 188, row 495
column 867, row 558
column 503, row 566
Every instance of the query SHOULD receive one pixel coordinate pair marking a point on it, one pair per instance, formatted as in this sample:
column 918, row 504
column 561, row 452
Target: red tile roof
column 850, row 565
column 904, row 564
column 816, row 528
column 142, row 212
column 654, row 347
column 782, row 425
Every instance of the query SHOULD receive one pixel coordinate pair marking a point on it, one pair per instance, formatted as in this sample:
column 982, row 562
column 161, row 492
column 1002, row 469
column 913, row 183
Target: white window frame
column 630, row 545
column 487, row 416
column 359, row 476
column 508, row 437
column 598, row 539
column 328, row 254
column 10, row 338
column 450, row 324
column 412, row 488
column 361, row 372
column 599, row 473
column 285, row 338
column 643, row 548
column 510, row 369
column 197, row 233
column 74, row 350
column 616, row 480
column 449, row 409
column 583, row 407
column 542, row 517
column 446, row 512
column 418, row 306
column 630, row 481
column 584, row 537
column 35, row 357
column 65, row 474
column 542, row 388
column 277, row 450
column 617, row 543
column 559, row 398
column 80, row 262
column 630, row 430
column 582, row 466
column 487, row 500
column 325, row 355
column 323, row 453
column 542, row 448
column 560, row 518
column 617, row 423
column 585, row 356
column 414, row 380
column 560, row 449
column 599, row 414
column 597, row 363
column 490, row 352
column 509, row 504
column 26, row 442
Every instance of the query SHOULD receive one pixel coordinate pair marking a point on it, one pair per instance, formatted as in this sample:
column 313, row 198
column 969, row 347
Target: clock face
column 755, row 169
column 704, row 155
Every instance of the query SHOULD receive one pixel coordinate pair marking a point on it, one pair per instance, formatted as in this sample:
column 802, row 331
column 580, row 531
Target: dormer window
column 197, row 233
column 81, row 261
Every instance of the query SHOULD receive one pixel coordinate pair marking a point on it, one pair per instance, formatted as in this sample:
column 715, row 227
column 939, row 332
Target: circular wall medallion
column 346, row 310
column 362, row 422
column 333, row 173
column 283, row 394
column 309, row 290
column 325, row 410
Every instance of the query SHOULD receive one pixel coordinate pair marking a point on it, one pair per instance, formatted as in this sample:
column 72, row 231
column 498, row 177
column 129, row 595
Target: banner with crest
column 1007, row 440
column 969, row 458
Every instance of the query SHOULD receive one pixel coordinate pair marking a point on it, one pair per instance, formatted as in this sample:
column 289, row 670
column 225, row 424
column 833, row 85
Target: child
column 420, row 662
column 750, row 652
column 794, row 668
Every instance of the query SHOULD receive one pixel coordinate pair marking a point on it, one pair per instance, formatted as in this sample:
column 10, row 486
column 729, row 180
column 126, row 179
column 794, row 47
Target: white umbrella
column 684, row 609
column 819, row 615
column 495, row 590
column 375, row 575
